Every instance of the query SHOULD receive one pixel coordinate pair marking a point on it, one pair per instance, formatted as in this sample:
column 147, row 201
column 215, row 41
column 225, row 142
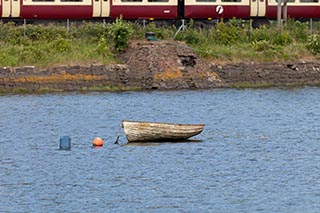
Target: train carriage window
column 158, row 0
column 230, row 1
column 309, row 1
column 205, row 0
column 43, row 0
column 131, row 0
column 288, row 1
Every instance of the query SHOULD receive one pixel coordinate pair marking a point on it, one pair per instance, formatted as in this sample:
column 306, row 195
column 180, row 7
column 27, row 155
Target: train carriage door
column 6, row 8
column 257, row 8
column 101, row 8
column 180, row 9
column 15, row 9
column 10, row 8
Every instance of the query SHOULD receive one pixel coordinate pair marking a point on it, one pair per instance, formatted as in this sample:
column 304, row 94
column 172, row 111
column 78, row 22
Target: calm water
column 260, row 152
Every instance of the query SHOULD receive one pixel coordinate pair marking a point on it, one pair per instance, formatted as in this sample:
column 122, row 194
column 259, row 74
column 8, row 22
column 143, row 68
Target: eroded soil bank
column 158, row 65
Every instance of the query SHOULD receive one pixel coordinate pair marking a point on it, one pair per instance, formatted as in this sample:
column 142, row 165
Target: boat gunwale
column 165, row 123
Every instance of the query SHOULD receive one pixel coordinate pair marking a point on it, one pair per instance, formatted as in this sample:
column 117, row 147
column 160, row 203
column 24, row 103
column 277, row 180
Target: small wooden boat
column 137, row 131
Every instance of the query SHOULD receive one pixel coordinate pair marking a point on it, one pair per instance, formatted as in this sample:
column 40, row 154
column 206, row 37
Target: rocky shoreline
column 158, row 65
column 244, row 75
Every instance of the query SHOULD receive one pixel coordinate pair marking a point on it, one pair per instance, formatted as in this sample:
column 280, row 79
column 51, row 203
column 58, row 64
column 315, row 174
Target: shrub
column 297, row 29
column 261, row 34
column 261, row 45
column 61, row 45
column 120, row 32
column 271, row 35
column 102, row 47
column 90, row 30
column 33, row 54
column 281, row 39
column 226, row 33
column 45, row 33
column 313, row 43
column 190, row 36
column 11, row 34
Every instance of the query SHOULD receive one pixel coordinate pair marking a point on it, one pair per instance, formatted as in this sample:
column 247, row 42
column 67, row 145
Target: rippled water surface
column 259, row 152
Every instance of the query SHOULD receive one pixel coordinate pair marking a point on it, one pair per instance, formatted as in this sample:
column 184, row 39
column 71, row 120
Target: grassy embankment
column 88, row 43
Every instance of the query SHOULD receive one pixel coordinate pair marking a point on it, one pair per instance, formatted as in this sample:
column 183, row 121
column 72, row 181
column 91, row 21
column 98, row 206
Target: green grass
column 43, row 90
column 109, row 88
column 29, row 91
column 45, row 46
column 88, row 43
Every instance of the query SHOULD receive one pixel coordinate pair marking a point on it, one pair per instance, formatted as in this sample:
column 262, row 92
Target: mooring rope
column 118, row 135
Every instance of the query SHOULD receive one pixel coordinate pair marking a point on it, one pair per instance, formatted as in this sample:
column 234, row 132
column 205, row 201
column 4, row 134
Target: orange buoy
column 97, row 142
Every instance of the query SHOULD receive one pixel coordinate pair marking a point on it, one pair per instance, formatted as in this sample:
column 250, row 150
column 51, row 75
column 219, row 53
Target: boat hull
column 137, row 131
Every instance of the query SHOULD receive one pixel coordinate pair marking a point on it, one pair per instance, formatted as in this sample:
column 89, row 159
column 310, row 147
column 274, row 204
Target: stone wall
column 65, row 78
column 269, row 74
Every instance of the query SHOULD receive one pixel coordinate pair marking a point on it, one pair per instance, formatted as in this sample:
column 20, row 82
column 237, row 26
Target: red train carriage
column 54, row 9
column 51, row 9
column 154, row 9
column 144, row 9
column 249, row 9
column 203, row 9
column 296, row 9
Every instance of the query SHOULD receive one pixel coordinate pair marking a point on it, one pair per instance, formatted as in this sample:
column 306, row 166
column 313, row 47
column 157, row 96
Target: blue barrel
column 65, row 143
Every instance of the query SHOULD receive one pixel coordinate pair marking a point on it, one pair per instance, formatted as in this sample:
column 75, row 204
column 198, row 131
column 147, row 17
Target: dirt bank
column 158, row 65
